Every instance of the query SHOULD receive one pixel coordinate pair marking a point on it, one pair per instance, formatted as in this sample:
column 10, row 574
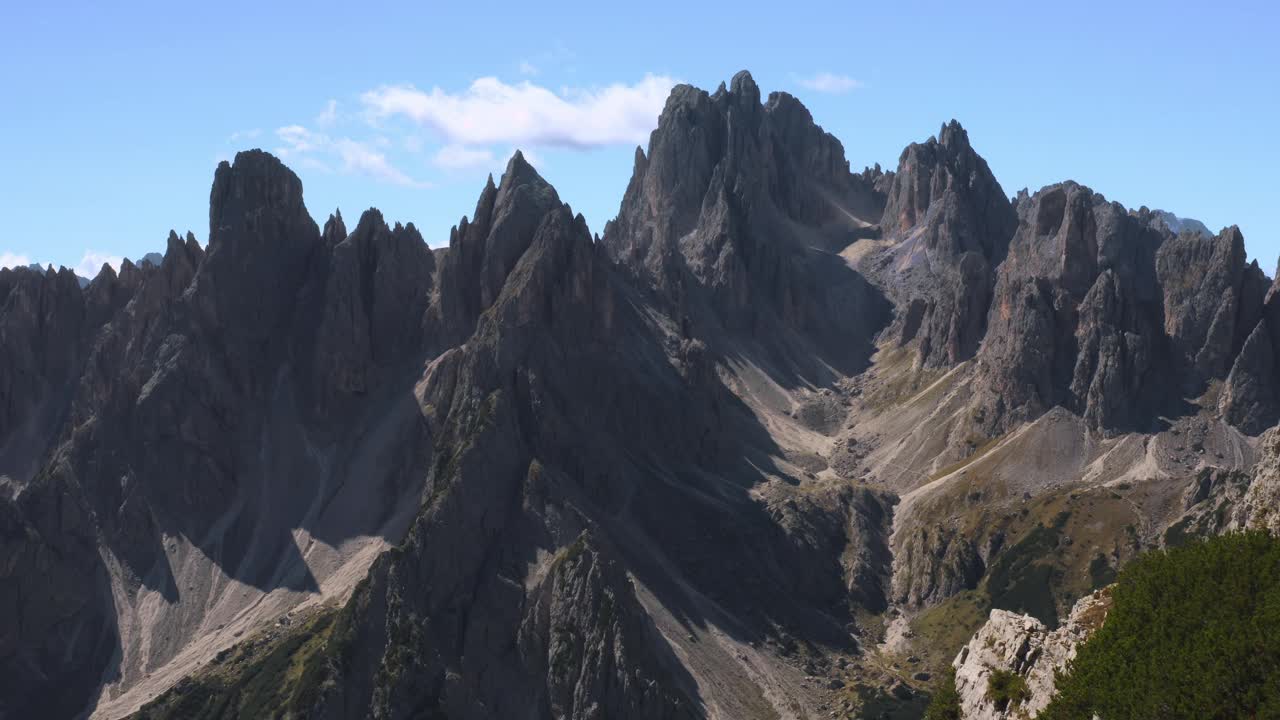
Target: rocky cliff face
column 1091, row 293
column 692, row 468
column 189, row 448
column 1260, row 505
column 540, row 501
column 951, row 224
column 731, row 218
column 1021, row 646
column 1076, row 319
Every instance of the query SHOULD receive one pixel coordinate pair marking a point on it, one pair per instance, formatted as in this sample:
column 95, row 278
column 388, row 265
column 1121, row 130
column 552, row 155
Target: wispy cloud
column 825, row 82
column 458, row 157
column 528, row 68
column 243, row 135
column 299, row 139
column 491, row 112
column 13, row 260
column 319, row 151
column 358, row 157
column 93, row 260
column 329, row 115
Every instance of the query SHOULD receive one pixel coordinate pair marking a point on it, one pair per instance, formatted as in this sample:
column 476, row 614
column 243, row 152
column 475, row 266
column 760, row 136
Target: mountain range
column 773, row 445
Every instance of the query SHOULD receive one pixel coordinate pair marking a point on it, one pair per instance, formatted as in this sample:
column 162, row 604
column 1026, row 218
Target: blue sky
column 114, row 117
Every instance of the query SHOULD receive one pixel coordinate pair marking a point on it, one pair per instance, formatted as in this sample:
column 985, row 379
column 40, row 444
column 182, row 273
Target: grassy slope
column 277, row 674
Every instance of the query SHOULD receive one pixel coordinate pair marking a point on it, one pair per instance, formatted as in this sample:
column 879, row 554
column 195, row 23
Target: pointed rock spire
column 335, row 230
column 261, row 239
column 955, row 223
column 484, row 250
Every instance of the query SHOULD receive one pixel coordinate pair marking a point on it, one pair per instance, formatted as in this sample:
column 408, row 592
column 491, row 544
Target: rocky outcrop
column 1260, row 507
column 1165, row 220
column 497, row 603
column 58, row 636
column 376, row 292
column 262, row 242
column 1201, row 279
column 58, row 633
column 524, row 463
column 178, row 455
column 952, row 224
column 1075, row 312
column 837, row 546
column 1021, row 646
column 483, row 250
column 730, row 218
column 1250, row 396
column 587, row 634
column 933, row 563
column 1092, row 294
column 42, row 325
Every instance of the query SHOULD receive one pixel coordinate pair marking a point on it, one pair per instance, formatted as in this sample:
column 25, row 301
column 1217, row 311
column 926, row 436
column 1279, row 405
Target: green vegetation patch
column 1193, row 632
column 944, row 628
column 1024, row 576
column 272, row 676
column 902, row 381
column 945, row 703
column 1178, row 534
column 877, row 702
column 1005, row 688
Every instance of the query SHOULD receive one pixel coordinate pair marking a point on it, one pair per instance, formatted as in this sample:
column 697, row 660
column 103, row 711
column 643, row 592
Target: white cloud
column 241, row 135
column 13, row 260
column 357, row 156
column 528, row 68
column 317, row 151
column 300, row 139
column 93, row 261
column 459, row 157
column 306, row 162
column 826, row 82
column 329, row 115
column 491, row 111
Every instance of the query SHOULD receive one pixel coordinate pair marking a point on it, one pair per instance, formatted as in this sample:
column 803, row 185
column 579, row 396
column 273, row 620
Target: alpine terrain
column 776, row 444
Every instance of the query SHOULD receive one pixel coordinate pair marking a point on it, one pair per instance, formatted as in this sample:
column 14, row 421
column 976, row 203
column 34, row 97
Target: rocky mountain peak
column 953, row 137
column 945, row 170
column 335, row 229
column 1164, row 219
column 485, row 248
column 731, row 201
column 744, row 92
column 949, row 223
column 261, row 242
column 174, row 245
column 257, row 185
column 1201, row 305
column 521, row 183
